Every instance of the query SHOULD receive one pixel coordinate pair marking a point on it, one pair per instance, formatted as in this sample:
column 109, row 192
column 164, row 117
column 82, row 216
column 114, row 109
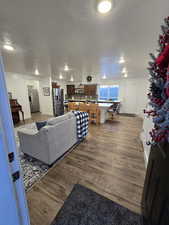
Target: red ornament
column 163, row 58
column 167, row 84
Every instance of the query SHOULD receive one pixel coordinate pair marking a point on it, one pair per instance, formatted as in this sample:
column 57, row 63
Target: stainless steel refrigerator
column 33, row 99
column 58, row 101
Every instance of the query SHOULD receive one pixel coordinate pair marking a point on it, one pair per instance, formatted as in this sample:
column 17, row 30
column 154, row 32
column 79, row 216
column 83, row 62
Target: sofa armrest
column 35, row 144
column 27, row 132
column 28, row 140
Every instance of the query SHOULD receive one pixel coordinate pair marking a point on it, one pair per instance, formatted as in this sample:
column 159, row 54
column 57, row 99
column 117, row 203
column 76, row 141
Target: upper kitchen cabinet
column 90, row 90
column 70, row 90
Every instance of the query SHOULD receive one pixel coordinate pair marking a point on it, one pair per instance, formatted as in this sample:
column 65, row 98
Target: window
column 107, row 92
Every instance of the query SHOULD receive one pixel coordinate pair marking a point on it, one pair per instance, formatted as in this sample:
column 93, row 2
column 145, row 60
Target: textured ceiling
column 49, row 33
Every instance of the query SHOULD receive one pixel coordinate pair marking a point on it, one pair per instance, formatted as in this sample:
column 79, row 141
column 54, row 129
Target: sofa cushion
column 41, row 124
column 60, row 119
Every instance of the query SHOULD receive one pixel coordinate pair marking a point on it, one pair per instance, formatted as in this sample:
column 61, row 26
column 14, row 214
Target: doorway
column 33, row 99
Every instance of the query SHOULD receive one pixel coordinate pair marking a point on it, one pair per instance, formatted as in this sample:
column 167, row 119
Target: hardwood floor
column 110, row 162
column 34, row 118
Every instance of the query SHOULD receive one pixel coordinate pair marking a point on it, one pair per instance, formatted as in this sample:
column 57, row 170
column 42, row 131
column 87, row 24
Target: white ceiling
column 50, row 33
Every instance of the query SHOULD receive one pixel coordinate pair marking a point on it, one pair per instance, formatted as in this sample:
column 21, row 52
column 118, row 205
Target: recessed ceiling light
column 125, row 75
column 37, row 72
column 60, row 76
column 8, row 47
column 104, row 76
column 71, row 79
column 104, row 6
column 124, row 70
column 66, row 68
column 121, row 60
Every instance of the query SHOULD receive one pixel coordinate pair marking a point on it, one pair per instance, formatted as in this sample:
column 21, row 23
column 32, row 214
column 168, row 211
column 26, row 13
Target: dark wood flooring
column 110, row 162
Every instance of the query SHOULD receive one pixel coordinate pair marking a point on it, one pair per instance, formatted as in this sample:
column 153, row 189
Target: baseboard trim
column 128, row 114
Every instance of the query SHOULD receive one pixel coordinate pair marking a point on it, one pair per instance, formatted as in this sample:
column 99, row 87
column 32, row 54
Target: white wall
column 46, row 105
column 17, row 85
column 145, row 136
column 133, row 95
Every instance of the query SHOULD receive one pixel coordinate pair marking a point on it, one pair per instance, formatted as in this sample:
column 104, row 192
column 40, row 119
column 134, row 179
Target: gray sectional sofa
column 52, row 141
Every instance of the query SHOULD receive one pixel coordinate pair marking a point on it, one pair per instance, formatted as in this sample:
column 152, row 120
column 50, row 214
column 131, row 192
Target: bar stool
column 83, row 107
column 94, row 113
column 114, row 109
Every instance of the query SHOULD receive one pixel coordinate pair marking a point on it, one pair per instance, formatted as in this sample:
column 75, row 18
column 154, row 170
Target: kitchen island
column 104, row 115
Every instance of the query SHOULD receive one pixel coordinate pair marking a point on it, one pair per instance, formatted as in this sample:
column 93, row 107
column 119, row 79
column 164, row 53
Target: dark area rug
column 32, row 169
column 85, row 207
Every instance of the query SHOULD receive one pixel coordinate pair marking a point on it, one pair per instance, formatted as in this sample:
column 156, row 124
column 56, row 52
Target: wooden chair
column 73, row 106
column 94, row 113
column 83, row 107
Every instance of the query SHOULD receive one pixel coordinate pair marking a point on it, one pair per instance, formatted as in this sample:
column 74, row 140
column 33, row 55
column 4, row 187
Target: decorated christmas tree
column 159, row 88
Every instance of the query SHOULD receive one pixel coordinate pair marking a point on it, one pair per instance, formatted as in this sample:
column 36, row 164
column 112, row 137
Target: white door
column 13, row 205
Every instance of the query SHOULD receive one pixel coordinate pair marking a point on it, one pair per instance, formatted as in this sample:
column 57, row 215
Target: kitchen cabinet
column 70, row 90
column 90, row 90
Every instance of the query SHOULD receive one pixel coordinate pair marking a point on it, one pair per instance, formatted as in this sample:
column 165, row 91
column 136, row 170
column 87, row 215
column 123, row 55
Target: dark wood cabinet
column 87, row 90
column 70, row 90
column 155, row 200
column 90, row 90
column 15, row 109
column 15, row 117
